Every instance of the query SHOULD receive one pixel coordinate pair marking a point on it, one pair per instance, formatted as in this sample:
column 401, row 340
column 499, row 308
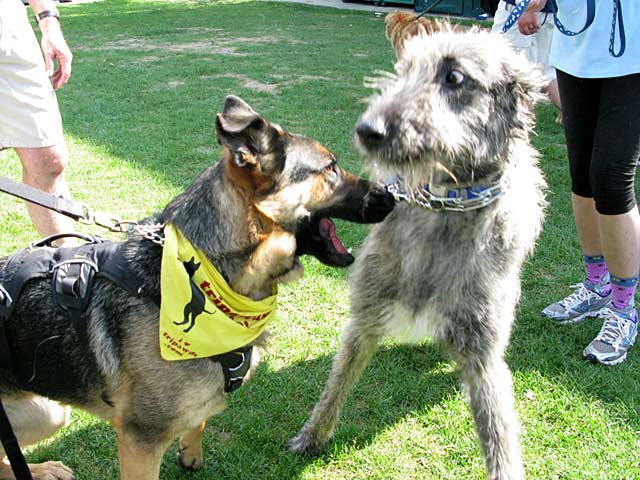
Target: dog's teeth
column 350, row 250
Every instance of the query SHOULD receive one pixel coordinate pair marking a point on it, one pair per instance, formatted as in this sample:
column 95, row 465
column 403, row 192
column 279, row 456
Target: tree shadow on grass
column 247, row 440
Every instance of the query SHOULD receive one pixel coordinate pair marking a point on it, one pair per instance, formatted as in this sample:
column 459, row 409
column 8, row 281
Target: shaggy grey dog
column 453, row 122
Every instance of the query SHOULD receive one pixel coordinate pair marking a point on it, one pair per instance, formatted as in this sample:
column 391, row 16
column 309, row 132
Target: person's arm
column 54, row 46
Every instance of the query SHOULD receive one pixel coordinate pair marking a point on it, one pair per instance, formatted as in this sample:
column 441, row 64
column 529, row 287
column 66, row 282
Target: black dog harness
column 72, row 271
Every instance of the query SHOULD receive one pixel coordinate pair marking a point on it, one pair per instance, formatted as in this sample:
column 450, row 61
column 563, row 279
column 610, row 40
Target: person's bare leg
column 617, row 237
column 620, row 237
column 587, row 225
column 43, row 168
column 554, row 93
column 554, row 96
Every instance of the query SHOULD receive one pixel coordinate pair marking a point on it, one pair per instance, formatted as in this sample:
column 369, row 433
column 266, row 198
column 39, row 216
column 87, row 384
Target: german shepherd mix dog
column 453, row 122
column 266, row 202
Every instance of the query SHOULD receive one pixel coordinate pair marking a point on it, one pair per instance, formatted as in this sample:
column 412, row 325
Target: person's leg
column 554, row 93
column 30, row 119
column 620, row 236
column 580, row 122
column 43, row 168
column 586, row 219
column 615, row 155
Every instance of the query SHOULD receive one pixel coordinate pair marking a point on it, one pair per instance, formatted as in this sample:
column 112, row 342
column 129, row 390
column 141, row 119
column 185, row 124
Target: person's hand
column 536, row 5
column 54, row 47
column 528, row 23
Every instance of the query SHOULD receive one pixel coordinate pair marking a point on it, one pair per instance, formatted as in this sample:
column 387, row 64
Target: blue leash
column 617, row 15
column 517, row 12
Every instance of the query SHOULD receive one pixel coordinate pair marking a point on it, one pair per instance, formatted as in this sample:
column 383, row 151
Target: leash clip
column 87, row 216
column 112, row 223
column 396, row 190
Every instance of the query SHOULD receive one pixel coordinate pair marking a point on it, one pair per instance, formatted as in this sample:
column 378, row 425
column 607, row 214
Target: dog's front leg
column 357, row 346
column 272, row 261
column 138, row 461
column 490, row 392
column 190, row 456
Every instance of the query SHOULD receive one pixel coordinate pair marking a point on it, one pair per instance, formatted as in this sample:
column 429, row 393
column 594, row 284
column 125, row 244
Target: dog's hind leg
column 357, row 346
column 190, row 456
column 490, row 391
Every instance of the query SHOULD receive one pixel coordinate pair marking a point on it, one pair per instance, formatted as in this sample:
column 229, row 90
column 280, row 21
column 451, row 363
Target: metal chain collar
column 150, row 231
column 424, row 198
column 153, row 232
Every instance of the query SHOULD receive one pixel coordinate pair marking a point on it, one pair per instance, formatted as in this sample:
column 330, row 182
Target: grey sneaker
column 586, row 301
column 617, row 335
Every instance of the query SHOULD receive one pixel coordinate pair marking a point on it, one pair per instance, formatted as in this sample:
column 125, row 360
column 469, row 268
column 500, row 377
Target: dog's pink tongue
column 328, row 230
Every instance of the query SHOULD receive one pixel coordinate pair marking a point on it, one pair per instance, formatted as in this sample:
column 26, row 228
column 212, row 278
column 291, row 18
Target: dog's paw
column 188, row 461
column 302, row 444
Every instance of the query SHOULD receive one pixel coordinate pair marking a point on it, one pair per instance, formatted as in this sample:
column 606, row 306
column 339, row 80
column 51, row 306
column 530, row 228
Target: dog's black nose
column 371, row 135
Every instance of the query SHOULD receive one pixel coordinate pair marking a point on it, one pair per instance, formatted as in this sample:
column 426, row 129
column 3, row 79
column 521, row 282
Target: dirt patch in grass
column 206, row 149
column 215, row 44
column 174, row 84
column 273, row 88
column 246, row 82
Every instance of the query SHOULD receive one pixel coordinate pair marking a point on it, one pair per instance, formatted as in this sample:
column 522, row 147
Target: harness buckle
column 72, row 280
column 235, row 366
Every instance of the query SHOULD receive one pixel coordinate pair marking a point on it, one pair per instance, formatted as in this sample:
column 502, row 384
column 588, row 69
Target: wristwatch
column 47, row 13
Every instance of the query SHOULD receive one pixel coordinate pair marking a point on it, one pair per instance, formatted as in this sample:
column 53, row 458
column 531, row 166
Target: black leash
column 67, row 207
column 429, row 8
column 12, row 449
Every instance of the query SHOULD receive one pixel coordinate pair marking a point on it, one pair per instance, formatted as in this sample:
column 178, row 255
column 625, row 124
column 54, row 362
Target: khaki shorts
column 29, row 114
column 535, row 47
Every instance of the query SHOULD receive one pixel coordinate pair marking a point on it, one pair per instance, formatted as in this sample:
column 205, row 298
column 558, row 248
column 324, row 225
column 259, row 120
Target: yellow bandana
column 200, row 316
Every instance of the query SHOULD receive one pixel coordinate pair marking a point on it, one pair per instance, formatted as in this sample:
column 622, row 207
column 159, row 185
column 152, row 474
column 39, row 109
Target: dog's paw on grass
column 302, row 444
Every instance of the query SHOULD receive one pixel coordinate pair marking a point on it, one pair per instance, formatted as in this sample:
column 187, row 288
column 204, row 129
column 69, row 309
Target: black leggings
column 601, row 119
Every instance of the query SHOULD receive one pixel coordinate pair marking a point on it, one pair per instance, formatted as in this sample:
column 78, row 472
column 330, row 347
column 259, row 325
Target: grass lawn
column 147, row 79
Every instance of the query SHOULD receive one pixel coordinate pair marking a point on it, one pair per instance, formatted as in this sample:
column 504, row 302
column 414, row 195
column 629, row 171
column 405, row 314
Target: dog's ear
column 235, row 106
column 527, row 84
column 246, row 134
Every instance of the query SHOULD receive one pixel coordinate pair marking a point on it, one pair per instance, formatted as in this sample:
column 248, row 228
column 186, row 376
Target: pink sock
column 623, row 291
column 596, row 268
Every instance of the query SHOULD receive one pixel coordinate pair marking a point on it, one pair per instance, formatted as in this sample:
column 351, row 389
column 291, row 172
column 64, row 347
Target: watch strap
column 47, row 13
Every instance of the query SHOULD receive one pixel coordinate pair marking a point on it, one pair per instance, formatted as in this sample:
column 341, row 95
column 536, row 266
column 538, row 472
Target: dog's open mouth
column 317, row 236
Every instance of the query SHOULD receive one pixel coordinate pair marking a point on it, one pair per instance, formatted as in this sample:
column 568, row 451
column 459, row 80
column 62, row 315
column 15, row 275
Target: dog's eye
column 331, row 169
column 454, row 78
